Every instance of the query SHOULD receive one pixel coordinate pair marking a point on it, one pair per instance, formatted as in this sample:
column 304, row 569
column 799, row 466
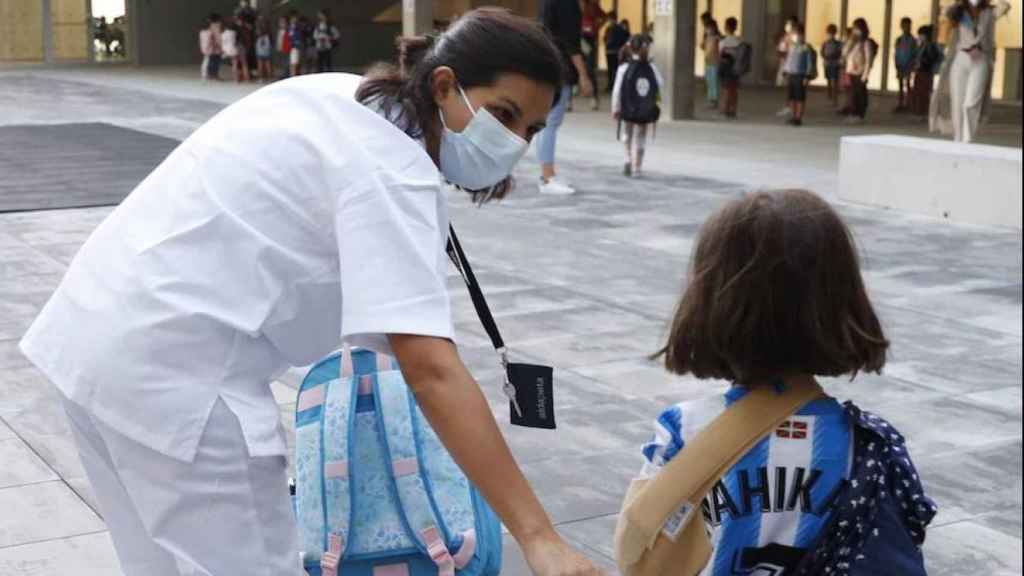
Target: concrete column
column 131, row 11
column 675, row 27
column 417, row 17
column 90, row 29
column 47, row 31
column 752, row 25
column 265, row 9
column 886, row 46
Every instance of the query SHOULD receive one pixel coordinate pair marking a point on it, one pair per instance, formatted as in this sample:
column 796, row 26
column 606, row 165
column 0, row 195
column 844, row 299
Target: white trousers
column 224, row 514
column 968, row 80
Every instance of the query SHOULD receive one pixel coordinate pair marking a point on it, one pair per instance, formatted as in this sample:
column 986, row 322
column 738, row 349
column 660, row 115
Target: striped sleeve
column 667, row 441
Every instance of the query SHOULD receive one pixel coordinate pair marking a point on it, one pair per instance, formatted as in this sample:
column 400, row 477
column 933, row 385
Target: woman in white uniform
column 972, row 55
column 308, row 213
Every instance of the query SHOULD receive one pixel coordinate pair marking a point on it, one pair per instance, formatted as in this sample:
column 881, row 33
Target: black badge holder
column 529, row 387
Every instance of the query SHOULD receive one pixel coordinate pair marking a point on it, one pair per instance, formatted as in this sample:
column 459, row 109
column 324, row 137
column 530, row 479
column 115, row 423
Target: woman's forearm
column 452, row 402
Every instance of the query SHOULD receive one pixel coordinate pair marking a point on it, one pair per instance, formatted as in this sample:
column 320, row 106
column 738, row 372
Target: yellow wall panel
column 21, row 30
column 69, row 19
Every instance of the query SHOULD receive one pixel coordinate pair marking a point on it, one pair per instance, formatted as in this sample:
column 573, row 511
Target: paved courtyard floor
column 584, row 283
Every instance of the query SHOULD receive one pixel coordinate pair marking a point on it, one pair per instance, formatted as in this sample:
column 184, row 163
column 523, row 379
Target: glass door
column 109, row 31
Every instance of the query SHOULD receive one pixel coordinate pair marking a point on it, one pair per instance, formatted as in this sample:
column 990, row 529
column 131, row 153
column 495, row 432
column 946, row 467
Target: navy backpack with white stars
column 880, row 515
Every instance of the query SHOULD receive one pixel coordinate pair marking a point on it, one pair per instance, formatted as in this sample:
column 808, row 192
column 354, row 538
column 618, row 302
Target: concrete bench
column 968, row 183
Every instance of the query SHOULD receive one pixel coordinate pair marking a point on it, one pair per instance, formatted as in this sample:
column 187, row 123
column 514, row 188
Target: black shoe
column 627, row 169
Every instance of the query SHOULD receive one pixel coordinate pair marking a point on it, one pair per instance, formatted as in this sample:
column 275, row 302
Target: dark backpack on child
column 639, row 96
column 812, row 63
column 879, row 515
column 736, row 61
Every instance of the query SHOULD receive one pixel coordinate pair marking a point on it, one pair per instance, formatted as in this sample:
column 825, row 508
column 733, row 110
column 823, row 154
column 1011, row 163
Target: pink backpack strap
column 438, row 551
column 331, row 560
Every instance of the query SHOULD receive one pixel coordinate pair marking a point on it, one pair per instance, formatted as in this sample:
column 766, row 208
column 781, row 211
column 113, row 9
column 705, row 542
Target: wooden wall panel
column 21, row 31
column 69, row 19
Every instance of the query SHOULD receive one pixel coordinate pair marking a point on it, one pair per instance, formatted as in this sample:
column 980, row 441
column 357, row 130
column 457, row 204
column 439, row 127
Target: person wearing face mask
column 859, row 56
column 781, row 53
column 960, row 102
column 308, row 214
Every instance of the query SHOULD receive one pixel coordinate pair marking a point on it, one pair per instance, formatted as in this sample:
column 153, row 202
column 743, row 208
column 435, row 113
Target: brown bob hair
column 775, row 289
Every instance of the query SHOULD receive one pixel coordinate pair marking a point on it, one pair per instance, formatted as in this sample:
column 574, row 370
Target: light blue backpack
column 376, row 492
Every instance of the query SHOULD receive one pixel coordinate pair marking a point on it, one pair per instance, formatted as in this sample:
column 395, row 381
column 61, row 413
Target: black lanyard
column 458, row 257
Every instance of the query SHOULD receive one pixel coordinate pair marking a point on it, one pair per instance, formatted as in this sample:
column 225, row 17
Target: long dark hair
column 862, row 25
column 635, row 47
column 775, row 288
column 479, row 47
column 963, row 6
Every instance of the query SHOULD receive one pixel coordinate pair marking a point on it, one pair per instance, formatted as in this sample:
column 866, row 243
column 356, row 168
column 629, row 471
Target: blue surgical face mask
column 483, row 154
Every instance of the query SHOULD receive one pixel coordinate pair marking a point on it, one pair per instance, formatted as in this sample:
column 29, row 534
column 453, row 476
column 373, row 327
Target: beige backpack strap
column 704, row 460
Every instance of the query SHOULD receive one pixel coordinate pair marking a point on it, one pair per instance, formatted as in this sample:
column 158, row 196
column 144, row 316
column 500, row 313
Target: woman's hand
column 551, row 556
column 456, row 408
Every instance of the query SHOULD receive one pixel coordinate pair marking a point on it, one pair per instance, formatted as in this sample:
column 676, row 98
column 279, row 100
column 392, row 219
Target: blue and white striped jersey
column 774, row 502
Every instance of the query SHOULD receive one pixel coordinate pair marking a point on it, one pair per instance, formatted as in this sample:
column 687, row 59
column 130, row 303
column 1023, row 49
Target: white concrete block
column 969, row 183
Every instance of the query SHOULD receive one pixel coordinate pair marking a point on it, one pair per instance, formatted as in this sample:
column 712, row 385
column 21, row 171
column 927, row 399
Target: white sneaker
column 785, row 112
column 556, row 187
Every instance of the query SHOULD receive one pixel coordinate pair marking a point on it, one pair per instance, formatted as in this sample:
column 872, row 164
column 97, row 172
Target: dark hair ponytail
column 479, row 47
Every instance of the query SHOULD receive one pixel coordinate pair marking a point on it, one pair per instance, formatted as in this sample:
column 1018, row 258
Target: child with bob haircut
column 775, row 297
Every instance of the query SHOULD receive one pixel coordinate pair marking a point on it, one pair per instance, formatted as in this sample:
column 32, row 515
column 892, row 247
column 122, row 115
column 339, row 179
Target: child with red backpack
column 635, row 99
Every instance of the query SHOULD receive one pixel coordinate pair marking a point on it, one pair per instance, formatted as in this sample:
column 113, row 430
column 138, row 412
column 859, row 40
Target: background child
column 798, row 69
column 234, row 51
column 264, row 50
column 634, row 99
column 296, row 42
column 775, row 295
column 215, row 49
column 859, row 58
column 205, row 48
column 728, row 74
column 926, row 65
column 712, row 56
column 832, row 57
column 284, row 45
column 309, row 52
column 904, row 55
column 325, row 38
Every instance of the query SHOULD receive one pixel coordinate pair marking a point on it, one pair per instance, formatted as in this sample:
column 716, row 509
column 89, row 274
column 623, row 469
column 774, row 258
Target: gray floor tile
column 5, row 432
column 44, row 511
column 21, row 465
column 971, row 548
column 59, row 452
column 83, row 489
column 91, row 554
column 11, row 357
